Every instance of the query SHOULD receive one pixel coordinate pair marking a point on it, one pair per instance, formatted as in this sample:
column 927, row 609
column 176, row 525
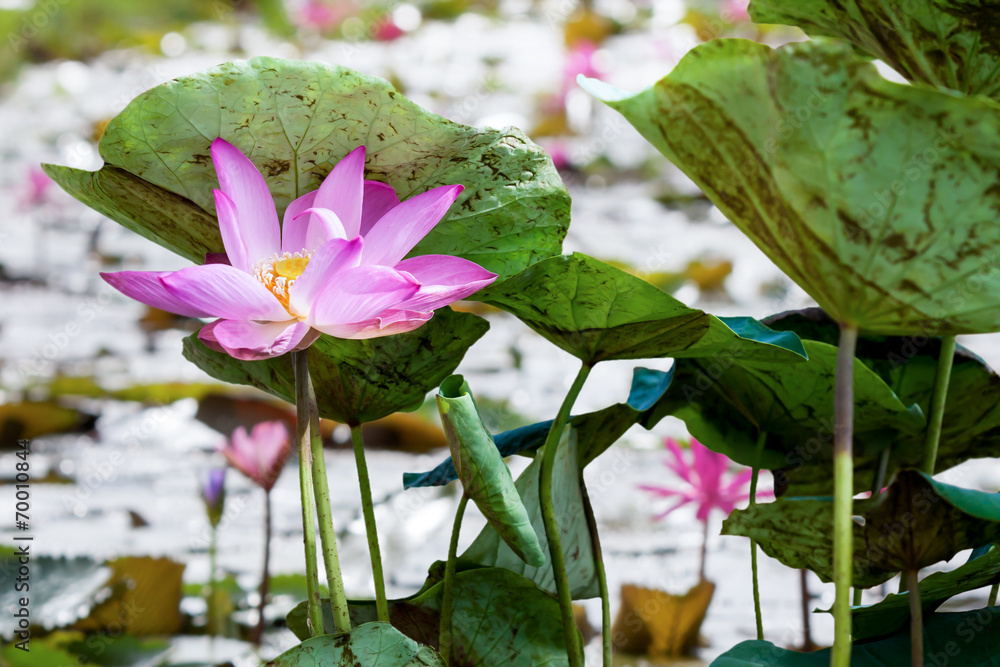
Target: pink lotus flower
column 709, row 486
column 261, row 454
column 334, row 266
column 36, row 188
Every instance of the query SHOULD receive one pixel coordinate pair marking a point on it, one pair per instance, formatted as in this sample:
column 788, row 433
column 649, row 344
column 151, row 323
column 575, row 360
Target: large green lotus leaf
column 948, row 43
column 63, row 590
column 484, row 475
column 879, row 199
column 893, row 612
column 971, row 426
column 297, row 119
column 157, row 214
column 917, row 522
column 597, row 312
column 498, row 617
column 489, row 548
column 358, row 381
column 367, row 645
column 596, row 431
column 725, row 403
column 967, row 638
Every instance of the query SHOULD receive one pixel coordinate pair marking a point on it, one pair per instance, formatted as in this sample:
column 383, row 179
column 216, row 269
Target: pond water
column 58, row 316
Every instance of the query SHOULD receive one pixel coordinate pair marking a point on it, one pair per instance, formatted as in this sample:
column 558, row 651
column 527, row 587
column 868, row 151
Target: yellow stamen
column 278, row 273
column 291, row 267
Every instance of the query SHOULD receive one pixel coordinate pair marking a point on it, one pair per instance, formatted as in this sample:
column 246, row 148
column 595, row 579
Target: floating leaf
column 138, row 584
column 490, row 549
column 965, row 638
column 597, row 312
column 971, row 425
column 725, row 403
column 358, row 381
column 892, row 231
column 367, row 645
column 295, row 120
column 917, row 522
column 596, row 431
column 938, row 42
column 32, row 419
column 657, row 624
column 893, row 612
column 498, row 617
column 484, row 475
column 63, row 590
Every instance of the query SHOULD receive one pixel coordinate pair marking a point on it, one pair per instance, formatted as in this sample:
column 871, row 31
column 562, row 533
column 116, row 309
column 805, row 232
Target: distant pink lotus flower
column 36, row 187
column 334, row 266
column 708, row 484
column 260, row 454
column 324, row 15
column 735, row 11
column 580, row 60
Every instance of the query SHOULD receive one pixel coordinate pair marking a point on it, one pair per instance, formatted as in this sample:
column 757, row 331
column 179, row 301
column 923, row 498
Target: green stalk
column 602, row 578
column 916, row 621
column 311, row 444
column 761, row 440
column 444, row 634
column 843, row 496
column 381, row 605
column 937, row 403
column 573, row 648
column 265, row 579
column 877, row 483
column 993, row 595
column 214, row 622
column 314, row 616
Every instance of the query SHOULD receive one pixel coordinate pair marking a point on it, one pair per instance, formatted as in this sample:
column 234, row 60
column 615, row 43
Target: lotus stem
column 807, row 641
column 312, row 475
column 258, row 632
column 444, row 634
column 938, row 399
column 704, row 550
column 381, row 604
column 843, row 496
column 758, row 617
column 213, row 607
column 574, row 649
column 602, row 579
column 916, row 621
column 877, row 483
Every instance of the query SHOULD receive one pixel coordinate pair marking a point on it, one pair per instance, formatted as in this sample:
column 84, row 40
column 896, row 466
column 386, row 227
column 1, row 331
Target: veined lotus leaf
column 917, row 522
column 725, row 403
column 879, row 199
column 597, row 312
column 971, row 425
column 970, row 634
column 367, row 645
column 947, row 43
column 358, row 381
column 484, row 475
column 893, row 612
column 489, row 549
column 498, row 617
column 295, row 120
column 596, row 431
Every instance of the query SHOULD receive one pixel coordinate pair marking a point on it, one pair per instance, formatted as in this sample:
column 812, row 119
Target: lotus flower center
column 279, row 272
